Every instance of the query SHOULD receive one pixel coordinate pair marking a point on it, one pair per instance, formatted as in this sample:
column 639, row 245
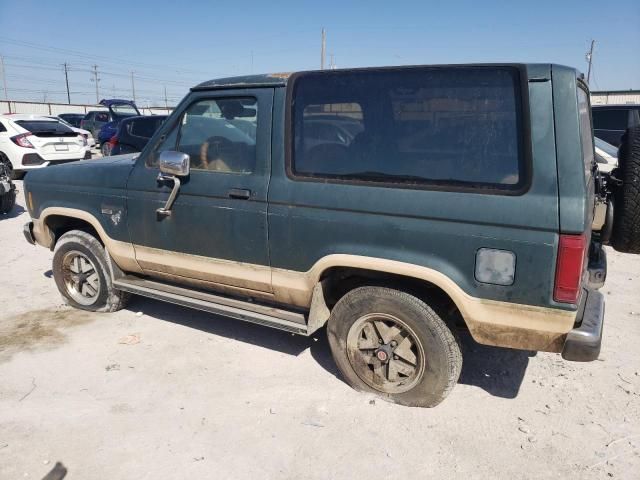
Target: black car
column 134, row 133
column 611, row 121
column 72, row 118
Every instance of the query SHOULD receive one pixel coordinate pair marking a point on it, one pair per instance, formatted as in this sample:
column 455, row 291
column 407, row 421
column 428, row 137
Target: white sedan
column 91, row 142
column 606, row 155
column 32, row 141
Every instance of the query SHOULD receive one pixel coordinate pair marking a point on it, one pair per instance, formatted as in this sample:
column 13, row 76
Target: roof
column 24, row 116
column 262, row 80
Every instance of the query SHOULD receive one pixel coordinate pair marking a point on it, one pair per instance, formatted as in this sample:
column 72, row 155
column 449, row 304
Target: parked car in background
column 133, row 134
column 606, row 155
column 611, row 121
column 117, row 109
column 72, row 118
column 31, row 141
column 94, row 121
column 7, row 190
column 91, row 142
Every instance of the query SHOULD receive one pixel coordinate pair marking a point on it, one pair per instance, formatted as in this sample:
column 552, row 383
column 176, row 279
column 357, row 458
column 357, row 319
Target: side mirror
column 174, row 163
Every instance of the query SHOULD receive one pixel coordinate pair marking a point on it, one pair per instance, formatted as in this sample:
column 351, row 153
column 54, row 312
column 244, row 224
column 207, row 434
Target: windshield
column 606, row 147
column 40, row 126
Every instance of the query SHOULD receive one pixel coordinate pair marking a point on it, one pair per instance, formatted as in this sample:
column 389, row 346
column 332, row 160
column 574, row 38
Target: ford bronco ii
column 393, row 205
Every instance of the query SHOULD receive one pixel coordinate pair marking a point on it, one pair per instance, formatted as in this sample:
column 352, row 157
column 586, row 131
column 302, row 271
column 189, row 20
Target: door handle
column 240, row 193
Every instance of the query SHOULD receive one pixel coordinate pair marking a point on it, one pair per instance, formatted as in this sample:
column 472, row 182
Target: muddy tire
column 82, row 276
column 392, row 344
column 13, row 175
column 626, row 222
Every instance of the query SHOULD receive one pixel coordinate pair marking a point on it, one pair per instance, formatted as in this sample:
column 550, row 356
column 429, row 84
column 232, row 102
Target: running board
column 228, row 307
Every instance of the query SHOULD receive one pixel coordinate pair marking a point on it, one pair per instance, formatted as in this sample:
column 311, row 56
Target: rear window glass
column 40, row 126
column 102, row 117
column 424, row 125
column 145, row 127
column 609, row 119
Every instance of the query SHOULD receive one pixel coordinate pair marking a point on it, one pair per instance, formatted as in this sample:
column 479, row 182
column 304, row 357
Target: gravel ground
column 157, row 391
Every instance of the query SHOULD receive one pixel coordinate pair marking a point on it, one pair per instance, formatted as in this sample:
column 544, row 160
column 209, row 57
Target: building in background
column 615, row 97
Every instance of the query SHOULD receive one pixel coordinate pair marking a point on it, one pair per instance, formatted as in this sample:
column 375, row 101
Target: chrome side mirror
column 174, row 163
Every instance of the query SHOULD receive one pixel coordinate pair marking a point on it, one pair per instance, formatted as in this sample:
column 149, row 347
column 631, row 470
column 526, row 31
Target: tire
column 13, row 175
column 626, row 198
column 82, row 276
column 418, row 371
column 7, row 201
column 105, row 149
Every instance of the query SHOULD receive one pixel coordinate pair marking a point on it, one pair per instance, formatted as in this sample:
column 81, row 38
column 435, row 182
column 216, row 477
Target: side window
column 143, row 127
column 2, row 128
column 218, row 135
column 586, row 134
column 444, row 126
column 610, row 119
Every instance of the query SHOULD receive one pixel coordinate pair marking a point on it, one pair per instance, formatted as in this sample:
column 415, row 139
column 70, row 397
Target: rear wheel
column 394, row 345
column 82, row 276
column 13, row 175
column 626, row 221
column 105, row 149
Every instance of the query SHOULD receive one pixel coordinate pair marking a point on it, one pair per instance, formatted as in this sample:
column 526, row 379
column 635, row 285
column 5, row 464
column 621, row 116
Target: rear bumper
column 583, row 343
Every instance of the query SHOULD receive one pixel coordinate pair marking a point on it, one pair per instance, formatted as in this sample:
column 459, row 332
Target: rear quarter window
column 459, row 126
column 586, row 133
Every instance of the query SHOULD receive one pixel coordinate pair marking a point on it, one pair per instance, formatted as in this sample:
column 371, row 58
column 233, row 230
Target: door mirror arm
column 173, row 165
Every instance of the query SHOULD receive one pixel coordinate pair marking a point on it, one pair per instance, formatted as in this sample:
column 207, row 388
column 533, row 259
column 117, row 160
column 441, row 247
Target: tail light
column 113, row 141
column 571, row 253
column 22, row 140
column 84, row 139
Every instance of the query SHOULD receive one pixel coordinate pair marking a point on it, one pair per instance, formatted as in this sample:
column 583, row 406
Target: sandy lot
column 161, row 392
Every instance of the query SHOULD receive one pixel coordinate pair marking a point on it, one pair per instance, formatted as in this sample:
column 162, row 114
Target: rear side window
column 586, row 133
column 610, row 119
column 450, row 126
column 144, row 127
column 102, row 117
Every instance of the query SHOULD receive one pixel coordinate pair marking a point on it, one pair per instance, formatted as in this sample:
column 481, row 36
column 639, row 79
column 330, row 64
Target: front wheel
column 394, row 345
column 82, row 276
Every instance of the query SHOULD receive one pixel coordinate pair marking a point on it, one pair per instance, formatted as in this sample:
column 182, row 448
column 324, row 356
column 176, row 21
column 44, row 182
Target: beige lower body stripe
column 490, row 322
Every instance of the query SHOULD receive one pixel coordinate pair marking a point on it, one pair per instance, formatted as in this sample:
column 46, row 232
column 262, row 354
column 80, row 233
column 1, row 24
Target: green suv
column 393, row 205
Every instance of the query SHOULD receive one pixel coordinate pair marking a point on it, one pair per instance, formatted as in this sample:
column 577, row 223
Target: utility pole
column 133, row 88
column 96, row 80
column 323, row 49
column 251, row 71
column 166, row 104
column 66, row 79
column 332, row 63
column 4, row 78
column 590, row 60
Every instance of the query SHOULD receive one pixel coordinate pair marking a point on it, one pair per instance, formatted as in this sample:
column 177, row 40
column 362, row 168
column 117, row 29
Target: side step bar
column 228, row 307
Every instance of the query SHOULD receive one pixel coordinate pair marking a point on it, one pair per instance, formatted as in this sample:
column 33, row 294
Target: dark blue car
column 118, row 110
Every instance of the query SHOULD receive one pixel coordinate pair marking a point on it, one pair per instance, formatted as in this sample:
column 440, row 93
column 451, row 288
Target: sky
column 175, row 45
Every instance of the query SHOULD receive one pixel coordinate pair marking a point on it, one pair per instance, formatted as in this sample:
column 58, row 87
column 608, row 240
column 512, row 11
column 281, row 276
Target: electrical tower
column 96, row 79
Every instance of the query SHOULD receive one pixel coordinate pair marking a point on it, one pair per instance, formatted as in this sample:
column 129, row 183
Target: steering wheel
column 214, row 148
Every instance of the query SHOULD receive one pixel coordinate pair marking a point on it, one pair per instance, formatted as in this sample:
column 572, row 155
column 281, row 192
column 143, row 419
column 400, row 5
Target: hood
column 109, row 173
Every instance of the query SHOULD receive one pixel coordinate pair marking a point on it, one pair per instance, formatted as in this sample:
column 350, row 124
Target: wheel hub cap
column 385, row 353
column 81, row 279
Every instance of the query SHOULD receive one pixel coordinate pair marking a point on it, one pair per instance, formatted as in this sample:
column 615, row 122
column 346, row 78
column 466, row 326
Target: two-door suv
column 393, row 205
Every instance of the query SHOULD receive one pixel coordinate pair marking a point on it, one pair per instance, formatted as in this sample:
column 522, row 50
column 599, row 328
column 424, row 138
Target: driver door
column 216, row 234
